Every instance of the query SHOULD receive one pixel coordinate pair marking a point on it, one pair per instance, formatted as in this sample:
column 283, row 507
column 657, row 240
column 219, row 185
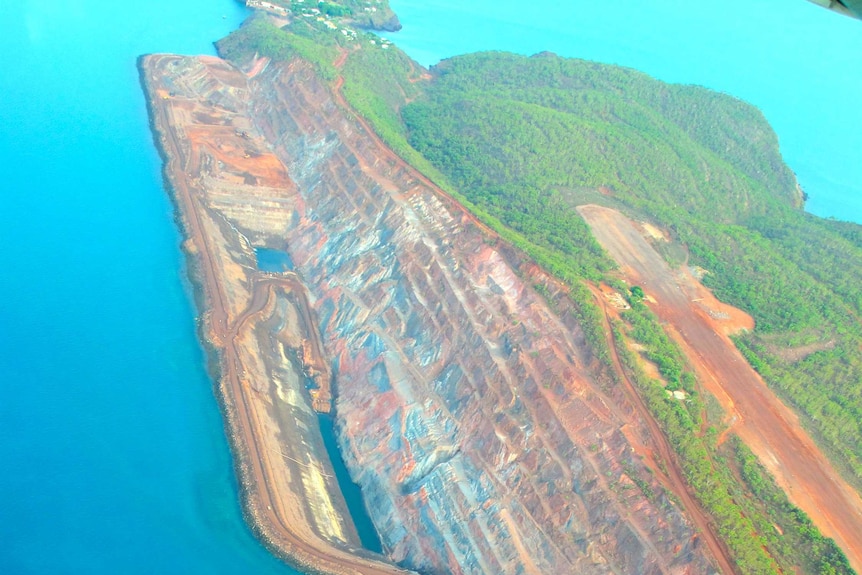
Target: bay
column 113, row 448
column 798, row 63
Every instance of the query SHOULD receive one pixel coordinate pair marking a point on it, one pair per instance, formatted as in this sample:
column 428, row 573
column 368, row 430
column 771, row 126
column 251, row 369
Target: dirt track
column 766, row 425
column 673, row 480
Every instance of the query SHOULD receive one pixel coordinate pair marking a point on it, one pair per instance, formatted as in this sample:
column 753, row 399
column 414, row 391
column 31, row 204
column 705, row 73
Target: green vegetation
column 785, row 528
column 259, row 36
column 335, row 10
column 553, row 123
column 516, row 135
column 522, row 141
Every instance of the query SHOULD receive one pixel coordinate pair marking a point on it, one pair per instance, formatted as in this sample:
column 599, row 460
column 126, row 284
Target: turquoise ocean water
column 799, row 63
column 114, row 459
column 114, row 456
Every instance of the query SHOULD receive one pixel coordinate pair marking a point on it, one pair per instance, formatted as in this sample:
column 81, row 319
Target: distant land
column 780, row 56
column 567, row 318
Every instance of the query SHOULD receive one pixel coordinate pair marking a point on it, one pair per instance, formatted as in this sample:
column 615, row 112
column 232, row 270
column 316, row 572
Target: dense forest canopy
column 571, row 123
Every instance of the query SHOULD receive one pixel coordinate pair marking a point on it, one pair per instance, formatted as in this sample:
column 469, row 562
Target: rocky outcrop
column 388, row 23
column 485, row 436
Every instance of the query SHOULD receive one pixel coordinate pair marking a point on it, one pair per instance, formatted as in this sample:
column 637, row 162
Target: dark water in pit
column 352, row 492
column 274, row 261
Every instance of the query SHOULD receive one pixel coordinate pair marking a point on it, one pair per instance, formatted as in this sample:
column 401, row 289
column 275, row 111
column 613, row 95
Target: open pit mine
column 485, row 436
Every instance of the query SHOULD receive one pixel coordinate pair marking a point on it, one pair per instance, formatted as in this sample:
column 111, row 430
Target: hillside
column 703, row 165
column 522, row 142
column 530, row 138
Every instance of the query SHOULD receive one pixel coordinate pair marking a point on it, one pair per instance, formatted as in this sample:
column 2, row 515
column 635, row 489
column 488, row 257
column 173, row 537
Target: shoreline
column 248, row 491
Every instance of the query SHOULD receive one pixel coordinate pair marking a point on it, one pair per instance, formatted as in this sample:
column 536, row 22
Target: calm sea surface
column 800, row 64
column 114, row 458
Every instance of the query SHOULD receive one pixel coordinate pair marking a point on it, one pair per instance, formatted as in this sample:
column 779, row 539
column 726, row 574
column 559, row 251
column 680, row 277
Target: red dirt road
column 673, row 480
column 766, row 425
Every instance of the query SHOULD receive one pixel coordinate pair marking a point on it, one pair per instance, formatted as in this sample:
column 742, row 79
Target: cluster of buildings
column 384, row 43
column 316, row 14
column 268, row 7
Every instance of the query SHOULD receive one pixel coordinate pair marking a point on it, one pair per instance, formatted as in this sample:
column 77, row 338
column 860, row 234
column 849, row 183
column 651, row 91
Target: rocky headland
column 485, row 435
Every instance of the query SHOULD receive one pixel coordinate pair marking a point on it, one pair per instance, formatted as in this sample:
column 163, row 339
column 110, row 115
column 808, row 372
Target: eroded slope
column 471, row 414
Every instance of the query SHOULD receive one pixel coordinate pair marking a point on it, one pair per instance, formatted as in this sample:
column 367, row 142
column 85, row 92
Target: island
column 499, row 277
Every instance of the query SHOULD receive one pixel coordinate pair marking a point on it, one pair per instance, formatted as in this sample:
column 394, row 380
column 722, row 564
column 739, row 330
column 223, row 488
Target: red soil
column 700, row 325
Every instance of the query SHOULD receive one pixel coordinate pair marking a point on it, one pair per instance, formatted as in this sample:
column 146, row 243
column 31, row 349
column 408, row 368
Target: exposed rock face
column 390, row 24
column 470, row 413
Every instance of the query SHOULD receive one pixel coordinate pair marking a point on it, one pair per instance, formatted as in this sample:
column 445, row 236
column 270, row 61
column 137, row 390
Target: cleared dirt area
column 700, row 324
column 260, row 324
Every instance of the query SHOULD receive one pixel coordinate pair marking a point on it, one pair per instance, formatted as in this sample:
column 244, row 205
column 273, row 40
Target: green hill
column 527, row 139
